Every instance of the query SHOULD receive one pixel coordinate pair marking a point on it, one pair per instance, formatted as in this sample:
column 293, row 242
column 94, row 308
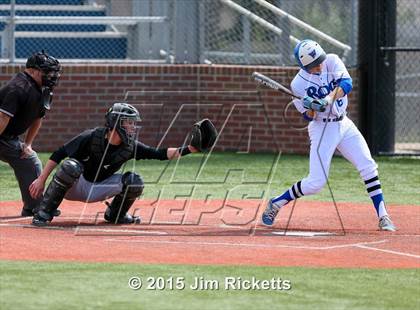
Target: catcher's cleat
column 41, row 219
column 126, row 219
column 270, row 214
column 31, row 212
column 386, row 224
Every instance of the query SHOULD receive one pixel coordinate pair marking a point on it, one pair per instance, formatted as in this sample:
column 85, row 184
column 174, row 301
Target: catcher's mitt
column 203, row 135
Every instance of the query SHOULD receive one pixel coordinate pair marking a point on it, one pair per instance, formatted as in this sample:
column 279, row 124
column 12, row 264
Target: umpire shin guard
column 117, row 211
column 63, row 180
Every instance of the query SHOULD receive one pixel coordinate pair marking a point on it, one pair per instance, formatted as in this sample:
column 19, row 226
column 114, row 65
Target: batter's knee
column 369, row 170
column 312, row 186
column 133, row 184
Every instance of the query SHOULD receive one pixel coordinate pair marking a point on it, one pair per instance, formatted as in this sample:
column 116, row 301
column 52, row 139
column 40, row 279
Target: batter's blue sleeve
column 346, row 85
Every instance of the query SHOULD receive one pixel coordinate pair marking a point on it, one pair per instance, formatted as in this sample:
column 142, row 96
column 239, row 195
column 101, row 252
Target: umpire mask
column 125, row 119
column 51, row 72
column 48, row 65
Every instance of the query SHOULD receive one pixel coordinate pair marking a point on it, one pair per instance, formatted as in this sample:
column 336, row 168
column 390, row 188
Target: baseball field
column 201, row 224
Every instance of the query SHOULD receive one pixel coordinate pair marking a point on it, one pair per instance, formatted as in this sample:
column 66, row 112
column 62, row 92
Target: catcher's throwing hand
column 203, row 135
column 37, row 188
column 318, row 105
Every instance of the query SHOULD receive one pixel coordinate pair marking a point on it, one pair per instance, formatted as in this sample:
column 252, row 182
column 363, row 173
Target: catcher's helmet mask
column 124, row 119
column 48, row 65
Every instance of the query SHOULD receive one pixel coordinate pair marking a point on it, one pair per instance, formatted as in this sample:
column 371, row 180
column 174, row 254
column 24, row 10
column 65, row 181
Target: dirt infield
column 217, row 232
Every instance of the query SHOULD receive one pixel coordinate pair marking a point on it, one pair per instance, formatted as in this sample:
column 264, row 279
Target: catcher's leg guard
column 117, row 211
column 68, row 173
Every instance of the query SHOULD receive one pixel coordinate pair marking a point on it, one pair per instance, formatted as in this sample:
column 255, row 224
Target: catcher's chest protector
column 98, row 147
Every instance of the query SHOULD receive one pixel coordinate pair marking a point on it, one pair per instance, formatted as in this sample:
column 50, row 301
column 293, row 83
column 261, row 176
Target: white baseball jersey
column 331, row 130
column 318, row 86
column 326, row 137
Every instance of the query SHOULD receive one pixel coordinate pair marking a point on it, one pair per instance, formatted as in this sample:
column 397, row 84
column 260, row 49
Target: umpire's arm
column 4, row 121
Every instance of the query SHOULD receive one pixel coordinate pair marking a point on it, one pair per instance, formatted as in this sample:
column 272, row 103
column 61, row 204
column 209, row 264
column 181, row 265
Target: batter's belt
column 338, row 119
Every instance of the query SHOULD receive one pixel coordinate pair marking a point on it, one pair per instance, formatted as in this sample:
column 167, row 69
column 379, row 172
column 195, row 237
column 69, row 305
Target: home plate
column 292, row 233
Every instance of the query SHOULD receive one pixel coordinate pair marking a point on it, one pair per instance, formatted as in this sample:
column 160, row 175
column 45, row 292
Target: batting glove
column 318, row 105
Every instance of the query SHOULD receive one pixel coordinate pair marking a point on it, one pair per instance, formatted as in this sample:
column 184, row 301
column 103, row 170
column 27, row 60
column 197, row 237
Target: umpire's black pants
column 26, row 169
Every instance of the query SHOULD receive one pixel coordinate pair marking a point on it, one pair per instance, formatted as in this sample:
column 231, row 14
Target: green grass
column 247, row 175
column 35, row 285
column 30, row 285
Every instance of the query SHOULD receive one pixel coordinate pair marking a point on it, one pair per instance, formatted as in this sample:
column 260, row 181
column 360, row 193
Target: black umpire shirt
column 20, row 99
column 94, row 171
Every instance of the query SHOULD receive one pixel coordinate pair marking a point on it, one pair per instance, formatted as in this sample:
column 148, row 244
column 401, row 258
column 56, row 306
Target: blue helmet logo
column 312, row 54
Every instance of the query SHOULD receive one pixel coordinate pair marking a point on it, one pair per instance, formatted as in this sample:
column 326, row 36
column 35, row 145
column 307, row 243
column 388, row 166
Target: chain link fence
column 176, row 31
column 265, row 32
column 73, row 30
column 257, row 32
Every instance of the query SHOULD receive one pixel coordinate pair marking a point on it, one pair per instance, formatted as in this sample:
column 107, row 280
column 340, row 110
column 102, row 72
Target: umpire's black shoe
column 126, row 219
column 31, row 212
column 27, row 212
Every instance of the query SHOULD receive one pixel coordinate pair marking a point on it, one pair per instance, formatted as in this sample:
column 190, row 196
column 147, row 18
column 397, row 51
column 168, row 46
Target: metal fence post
column 11, row 32
column 202, row 33
column 159, row 32
column 354, row 19
column 246, row 39
column 282, row 42
column 139, row 40
column 186, row 32
column 148, row 39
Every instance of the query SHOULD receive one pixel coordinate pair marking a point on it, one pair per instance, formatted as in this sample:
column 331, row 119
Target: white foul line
column 256, row 245
column 361, row 245
column 26, row 218
column 14, row 219
column 86, row 230
column 387, row 251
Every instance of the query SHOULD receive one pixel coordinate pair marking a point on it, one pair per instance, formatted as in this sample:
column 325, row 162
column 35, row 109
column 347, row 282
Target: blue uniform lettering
column 312, row 92
column 321, row 92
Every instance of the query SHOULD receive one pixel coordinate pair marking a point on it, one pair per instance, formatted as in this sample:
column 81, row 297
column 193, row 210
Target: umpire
column 24, row 101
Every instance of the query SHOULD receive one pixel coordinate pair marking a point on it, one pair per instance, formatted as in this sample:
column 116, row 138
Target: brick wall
column 172, row 97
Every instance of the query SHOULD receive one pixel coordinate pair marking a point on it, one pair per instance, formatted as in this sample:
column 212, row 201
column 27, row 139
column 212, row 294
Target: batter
column 324, row 83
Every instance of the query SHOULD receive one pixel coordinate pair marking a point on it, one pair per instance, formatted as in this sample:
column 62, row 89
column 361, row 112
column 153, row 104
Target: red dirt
column 217, row 232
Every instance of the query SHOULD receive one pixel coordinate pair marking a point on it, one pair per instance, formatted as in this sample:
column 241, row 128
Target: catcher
column 95, row 155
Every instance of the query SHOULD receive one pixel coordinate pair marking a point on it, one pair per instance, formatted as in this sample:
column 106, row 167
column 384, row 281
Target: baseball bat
column 269, row 82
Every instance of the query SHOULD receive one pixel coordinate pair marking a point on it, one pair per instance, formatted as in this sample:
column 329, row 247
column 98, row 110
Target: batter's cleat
column 126, row 219
column 386, row 224
column 31, row 212
column 270, row 214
